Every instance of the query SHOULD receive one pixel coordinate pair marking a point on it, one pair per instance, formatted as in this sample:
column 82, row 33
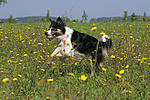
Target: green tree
column 42, row 20
column 3, row 2
column 47, row 16
column 144, row 17
column 84, row 17
column 10, row 19
column 133, row 17
column 125, row 19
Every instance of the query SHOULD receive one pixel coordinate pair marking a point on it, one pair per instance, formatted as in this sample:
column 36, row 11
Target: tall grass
column 26, row 72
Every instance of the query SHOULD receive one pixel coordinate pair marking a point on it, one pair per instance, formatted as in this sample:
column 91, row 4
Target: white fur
column 66, row 47
column 104, row 38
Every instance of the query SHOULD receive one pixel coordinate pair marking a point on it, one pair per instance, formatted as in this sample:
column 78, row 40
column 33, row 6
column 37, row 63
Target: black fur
column 88, row 45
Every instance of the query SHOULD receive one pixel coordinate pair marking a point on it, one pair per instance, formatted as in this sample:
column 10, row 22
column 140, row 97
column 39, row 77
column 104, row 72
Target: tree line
column 32, row 19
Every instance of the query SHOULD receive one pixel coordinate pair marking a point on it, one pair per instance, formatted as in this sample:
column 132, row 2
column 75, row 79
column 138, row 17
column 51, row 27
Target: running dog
column 79, row 45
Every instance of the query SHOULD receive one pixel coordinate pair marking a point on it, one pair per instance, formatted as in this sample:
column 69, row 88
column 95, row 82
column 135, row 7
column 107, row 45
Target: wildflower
column 19, row 75
column 102, row 28
column 70, row 74
column 102, row 33
column 40, row 44
column 78, row 92
column 114, row 88
column 131, row 37
column 43, row 70
column 142, row 76
column 127, row 66
column 25, row 55
column 128, row 91
column 121, row 71
column 112, row 56
column 75, row 63
column 144, row 58
column 12, row 92
column 50, row 80
column 83, row 77
column 93, row 28
column 5, row 79
column 47, row 97
column 11, row 52
column 105, row 84
column 14, row 79
column 117, row 75
column 119, row 80
column 104, row 69
column 126, row 84
column 54, row 67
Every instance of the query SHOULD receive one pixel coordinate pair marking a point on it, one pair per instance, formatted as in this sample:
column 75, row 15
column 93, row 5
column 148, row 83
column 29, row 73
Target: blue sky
column 94, row 8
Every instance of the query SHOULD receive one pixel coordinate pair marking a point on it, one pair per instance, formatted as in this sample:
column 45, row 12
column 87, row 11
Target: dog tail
column 107, row 44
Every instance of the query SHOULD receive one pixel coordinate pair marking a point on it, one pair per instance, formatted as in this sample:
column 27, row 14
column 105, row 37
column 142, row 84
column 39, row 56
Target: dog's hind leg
column 92, row 66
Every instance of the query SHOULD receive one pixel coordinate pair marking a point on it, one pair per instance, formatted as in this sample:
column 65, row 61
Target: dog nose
column 46, row 33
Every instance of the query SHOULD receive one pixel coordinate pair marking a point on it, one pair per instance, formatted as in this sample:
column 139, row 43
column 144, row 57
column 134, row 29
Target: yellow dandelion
column 43, row 70
column 114, row 88
column 50, row 80
column 14, row 79
column 105, row 84
column 131, row 37
column 75, row 63
column 93, row 28
column 102, row 29
column 25, row 55
column 142, row 76
column 121, row 71
column 144, row 58
column 70, row 74
column 19, row 75
column 54, row 67
column 104, row 69
column 117, row 75
column 5, row 79
column 128, row 91
column 126, row 84
column 102, row 33
column 127, row 66
column 83, row 77
column 119, row 80
column 112, row 56
column 47, row 97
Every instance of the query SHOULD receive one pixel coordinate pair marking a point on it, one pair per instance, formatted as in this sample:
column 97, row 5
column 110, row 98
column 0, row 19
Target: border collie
column 79, row 45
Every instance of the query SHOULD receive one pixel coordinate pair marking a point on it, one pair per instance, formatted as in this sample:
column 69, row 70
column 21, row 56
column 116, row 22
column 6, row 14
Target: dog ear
column 59, row 21
column 50, row 20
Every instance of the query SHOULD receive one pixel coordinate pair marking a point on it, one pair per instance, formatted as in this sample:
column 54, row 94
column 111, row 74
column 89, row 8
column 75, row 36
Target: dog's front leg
column 57, row 52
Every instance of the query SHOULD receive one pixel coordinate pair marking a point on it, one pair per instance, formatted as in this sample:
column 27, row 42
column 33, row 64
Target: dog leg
column 105, row 52
column 101, row 65
column 92, row 66
column 57, row 52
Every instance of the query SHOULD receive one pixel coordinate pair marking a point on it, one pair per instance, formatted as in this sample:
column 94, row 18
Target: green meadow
column 26, row 72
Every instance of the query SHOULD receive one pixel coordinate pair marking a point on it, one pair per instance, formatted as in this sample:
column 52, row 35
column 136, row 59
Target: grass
column 26, row 73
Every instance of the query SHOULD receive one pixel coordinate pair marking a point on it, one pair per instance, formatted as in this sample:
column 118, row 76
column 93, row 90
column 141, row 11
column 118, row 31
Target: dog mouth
column 51, row 37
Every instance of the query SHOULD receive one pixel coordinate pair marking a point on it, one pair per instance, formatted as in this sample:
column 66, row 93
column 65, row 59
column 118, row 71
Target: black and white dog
column 79, row 45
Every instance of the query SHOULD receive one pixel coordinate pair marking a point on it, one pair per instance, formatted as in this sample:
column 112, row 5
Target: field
column 25, row 72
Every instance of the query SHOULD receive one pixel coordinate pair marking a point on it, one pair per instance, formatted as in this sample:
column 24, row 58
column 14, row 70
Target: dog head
column 56, row 28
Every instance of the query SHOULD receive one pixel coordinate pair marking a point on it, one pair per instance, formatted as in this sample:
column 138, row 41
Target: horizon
column 94, row 8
